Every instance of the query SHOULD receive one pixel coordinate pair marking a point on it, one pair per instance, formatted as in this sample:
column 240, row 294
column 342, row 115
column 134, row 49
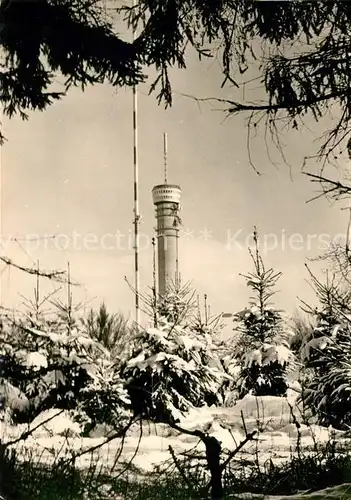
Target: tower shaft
column 166, row 199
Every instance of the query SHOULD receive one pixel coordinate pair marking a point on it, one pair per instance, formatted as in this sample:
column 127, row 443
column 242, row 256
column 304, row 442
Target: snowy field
column 276, row 440
column 341, row 492
column 273, row 415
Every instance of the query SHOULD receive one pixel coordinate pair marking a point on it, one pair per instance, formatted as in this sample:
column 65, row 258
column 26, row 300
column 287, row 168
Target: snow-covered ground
column 341, row 492
column 273, row 415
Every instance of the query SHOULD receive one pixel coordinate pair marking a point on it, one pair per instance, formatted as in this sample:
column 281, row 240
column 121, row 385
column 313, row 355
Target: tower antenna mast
column 136, row 196
column 165, row 151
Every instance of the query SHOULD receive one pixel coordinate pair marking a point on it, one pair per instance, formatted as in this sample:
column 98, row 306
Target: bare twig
column 119, row 434
column 181, row 471
column 29, row 432
column 335, row 189
column 249, row 437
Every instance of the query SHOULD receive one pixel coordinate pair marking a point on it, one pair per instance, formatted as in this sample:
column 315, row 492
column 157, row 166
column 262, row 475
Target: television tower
column 166, row 198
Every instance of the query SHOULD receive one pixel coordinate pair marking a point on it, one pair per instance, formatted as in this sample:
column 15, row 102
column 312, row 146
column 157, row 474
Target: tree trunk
column 213, row 452
column 213, row 456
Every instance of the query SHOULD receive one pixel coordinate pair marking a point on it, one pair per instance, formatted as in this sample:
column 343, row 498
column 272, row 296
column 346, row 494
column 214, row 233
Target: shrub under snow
column 51, row 366
column 169, row 372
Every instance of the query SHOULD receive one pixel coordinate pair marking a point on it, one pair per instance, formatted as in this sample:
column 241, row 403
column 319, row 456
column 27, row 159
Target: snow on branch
column 59, row 276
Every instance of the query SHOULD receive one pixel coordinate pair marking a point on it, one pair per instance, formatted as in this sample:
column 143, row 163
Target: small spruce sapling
column 261, row 348
column 326, row 375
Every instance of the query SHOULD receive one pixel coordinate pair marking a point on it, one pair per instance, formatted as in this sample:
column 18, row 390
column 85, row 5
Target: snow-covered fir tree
column 49, row 361
column 177, row 305
column 326, row 354
column 169, row 372
column 172, row 366
column 260, row 344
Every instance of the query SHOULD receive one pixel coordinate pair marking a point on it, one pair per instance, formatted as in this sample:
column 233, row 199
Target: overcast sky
column 68, row 172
